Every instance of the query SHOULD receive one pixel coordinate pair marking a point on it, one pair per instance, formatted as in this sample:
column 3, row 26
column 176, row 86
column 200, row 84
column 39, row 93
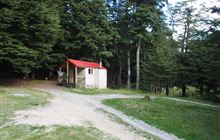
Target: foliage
column 132, row 38
column 191, row 92
column 29, row 30
column 159, row 64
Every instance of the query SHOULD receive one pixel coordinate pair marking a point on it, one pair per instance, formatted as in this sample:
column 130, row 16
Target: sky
column 198, row 2
column 209, row 2
column 197, row 5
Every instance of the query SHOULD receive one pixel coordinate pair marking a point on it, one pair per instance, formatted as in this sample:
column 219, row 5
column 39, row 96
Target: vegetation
column 130, row 127
column 52, row 133
column 183, row 120
column 141, row 47
column 10, row 102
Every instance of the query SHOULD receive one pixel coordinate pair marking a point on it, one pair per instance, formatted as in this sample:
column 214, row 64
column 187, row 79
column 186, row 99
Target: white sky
column 197, row 5
column 208, row 3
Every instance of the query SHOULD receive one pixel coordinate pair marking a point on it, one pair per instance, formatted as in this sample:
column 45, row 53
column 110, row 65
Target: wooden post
column 75, row 75
column 67, row 72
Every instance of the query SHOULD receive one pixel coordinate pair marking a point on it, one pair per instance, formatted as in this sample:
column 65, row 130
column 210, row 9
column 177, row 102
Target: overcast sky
column 208, row 3
column 197, row 4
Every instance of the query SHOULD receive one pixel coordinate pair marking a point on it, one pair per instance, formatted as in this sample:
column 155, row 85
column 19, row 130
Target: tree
column 186, row 19
column 204, row 58
column 90, row 31
column 29, row 30
column 132, row 19
column 146, row 20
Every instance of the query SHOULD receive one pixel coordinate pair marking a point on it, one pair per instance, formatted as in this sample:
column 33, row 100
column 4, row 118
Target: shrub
column 190, row 91
column 175, row 91
column 147, row 98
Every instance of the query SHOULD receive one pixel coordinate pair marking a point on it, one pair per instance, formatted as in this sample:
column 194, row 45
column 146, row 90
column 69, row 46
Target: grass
column 51, row 133
column 130, row 127
column 183, row 120
column 9, row 131
column 199, row 100
column 11, row 103
column 104, row 91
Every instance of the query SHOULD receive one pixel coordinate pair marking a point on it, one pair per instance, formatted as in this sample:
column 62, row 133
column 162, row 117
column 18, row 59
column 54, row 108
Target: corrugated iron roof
column 85, row 64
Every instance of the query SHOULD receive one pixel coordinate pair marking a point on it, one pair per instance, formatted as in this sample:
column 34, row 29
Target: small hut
column 83, row 74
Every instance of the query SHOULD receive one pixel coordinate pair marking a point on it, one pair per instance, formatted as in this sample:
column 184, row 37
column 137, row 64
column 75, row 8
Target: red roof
column 85, row 64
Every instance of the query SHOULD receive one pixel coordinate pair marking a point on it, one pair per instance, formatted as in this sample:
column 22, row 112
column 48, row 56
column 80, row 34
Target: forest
column 142, row 45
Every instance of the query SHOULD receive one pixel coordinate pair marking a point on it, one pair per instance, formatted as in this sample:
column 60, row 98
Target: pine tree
column 30, row 28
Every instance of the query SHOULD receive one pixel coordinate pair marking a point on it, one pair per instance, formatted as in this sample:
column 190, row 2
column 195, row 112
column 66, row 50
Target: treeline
column 131, row 37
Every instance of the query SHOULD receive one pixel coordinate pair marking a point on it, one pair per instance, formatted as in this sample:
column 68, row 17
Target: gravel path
column 75, row 109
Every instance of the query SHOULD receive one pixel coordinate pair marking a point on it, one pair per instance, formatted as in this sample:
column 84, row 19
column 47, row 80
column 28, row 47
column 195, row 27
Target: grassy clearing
column 104, row 91
column 11, row 103
column 184, row 120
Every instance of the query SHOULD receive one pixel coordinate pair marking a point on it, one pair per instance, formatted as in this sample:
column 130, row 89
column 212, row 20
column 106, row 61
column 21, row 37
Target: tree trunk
column 119, row 71
column 167, row 90
column 129, row 70
column 183, row 90
column 138, row 64
column 33, row 75
column 26, row 76
column 201, row 89
column 50, row 75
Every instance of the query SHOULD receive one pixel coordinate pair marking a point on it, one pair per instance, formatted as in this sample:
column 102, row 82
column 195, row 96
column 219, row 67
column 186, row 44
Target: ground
column 71, row 111
column 61, row 113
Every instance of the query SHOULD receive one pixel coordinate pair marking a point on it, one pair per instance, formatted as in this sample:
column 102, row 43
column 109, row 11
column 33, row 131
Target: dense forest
column 135, row 39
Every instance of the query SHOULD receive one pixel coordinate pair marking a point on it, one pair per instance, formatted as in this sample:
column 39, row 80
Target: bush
column 175, row 91
column 147, row 98
column 190, row 91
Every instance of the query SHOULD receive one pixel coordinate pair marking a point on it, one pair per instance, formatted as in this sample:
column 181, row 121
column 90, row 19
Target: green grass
column 9, row 131
column 183, row 120
column 130, row 127
column 199, row 100
column 28, row 132
column 104, row 91
column 11, row 103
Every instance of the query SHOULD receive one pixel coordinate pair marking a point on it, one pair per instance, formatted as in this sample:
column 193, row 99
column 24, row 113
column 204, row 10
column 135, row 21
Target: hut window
column 90, row 71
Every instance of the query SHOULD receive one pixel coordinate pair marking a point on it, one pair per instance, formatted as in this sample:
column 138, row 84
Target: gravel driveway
column 75, row 109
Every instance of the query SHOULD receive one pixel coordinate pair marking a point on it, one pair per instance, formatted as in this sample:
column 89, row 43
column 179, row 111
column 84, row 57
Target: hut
column 83, row 74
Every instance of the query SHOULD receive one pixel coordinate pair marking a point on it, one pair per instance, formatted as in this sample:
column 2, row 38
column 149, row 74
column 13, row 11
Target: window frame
column 90, row 71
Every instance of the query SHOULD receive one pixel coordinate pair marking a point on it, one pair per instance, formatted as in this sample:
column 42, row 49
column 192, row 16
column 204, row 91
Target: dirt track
column 75, row 109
